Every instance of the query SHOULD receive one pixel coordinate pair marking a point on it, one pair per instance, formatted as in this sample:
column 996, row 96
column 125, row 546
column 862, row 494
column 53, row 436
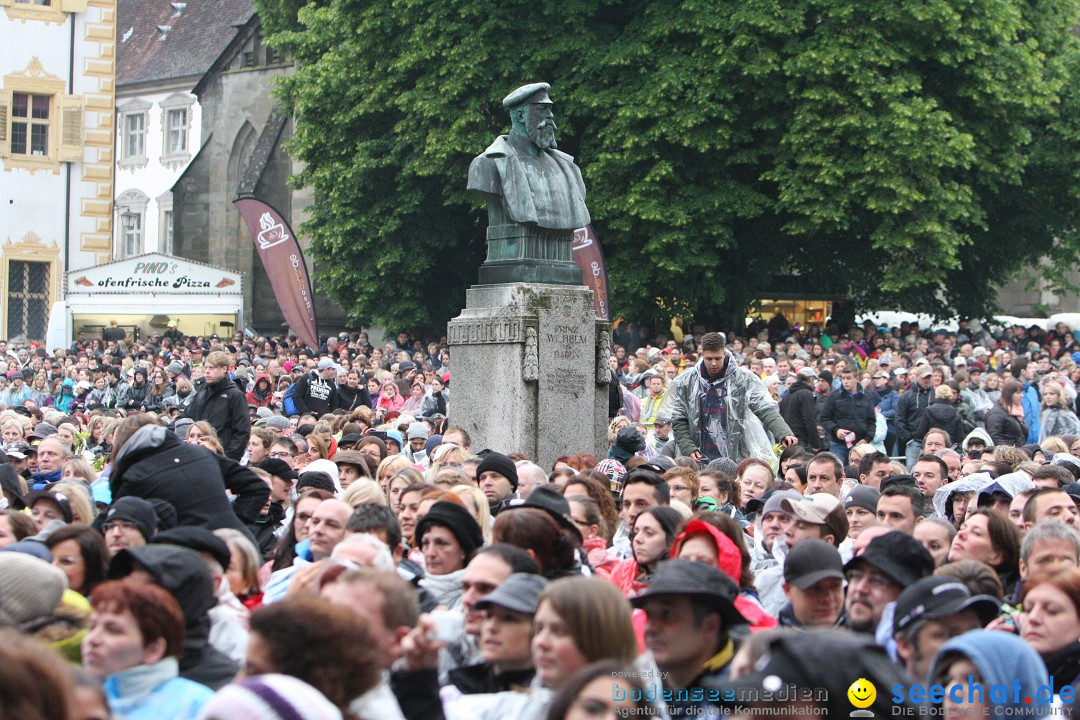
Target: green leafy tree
column 896, row 152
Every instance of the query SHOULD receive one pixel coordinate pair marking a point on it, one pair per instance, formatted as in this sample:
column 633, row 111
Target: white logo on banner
column 272, row 233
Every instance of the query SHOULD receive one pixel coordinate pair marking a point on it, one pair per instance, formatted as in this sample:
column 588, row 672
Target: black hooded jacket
column 941, row 414
column 318, row 396
column 154, row 463
column 184, row 574
column 137, row 395
column 799, row 410
column 225, row 407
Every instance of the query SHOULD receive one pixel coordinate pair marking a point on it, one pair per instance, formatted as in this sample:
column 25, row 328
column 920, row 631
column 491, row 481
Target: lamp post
column 128, row 221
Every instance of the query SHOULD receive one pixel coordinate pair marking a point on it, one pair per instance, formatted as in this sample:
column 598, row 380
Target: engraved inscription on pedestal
column 565, row 337
column 568, row 383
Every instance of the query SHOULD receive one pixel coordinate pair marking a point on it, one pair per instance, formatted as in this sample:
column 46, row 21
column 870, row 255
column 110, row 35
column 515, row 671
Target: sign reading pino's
column 156, row 274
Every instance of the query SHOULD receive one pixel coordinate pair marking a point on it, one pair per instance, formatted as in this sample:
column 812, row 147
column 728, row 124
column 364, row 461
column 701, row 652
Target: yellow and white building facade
column 57, row 105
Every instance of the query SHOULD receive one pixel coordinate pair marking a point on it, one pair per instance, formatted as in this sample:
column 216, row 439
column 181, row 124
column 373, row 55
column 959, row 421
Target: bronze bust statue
column 535, row 197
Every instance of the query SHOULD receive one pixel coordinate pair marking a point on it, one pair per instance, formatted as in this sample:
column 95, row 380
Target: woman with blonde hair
column 1057, row 417
column 11, row 431
column 858, row 451
column 447, row 455
column 450, row 477
column 363, row 492
column 39, row 386
column 1054, row 445
column 79, row 470
column 243, row 572
column 476, row 503
column 203, row 434
column 185, row 392
column 78, row 497
column 96, row 442
column 399, row 483
column 325, row 431
column 388, row 468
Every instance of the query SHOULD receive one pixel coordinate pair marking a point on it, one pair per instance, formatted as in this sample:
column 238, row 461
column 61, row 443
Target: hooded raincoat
column 1003, row 660
column 743, row 394
column 184, row 574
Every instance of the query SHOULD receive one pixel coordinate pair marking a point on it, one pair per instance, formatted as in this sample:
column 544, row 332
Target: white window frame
column 136, row 203
column 176, row 133
column 169, row 105
column 49, row 11
column 126, row 111
column 132, row 238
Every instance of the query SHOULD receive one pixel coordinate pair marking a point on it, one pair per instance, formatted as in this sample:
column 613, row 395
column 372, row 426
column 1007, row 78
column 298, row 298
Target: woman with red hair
column 1050, row 623
column 134, row 644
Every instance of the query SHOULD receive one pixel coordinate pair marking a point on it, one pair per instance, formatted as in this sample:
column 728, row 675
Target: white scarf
column 445, row 588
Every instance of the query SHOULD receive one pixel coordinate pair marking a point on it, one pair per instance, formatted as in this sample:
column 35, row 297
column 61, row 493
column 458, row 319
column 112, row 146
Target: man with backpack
column 315, row 393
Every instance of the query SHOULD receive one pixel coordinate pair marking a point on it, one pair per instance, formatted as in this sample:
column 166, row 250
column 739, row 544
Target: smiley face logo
column 862, row 693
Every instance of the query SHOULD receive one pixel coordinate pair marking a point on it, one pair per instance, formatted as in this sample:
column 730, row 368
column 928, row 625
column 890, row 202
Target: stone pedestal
column 530, row 370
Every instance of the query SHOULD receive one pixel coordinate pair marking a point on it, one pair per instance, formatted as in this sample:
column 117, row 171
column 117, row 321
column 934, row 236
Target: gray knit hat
column 29, row 588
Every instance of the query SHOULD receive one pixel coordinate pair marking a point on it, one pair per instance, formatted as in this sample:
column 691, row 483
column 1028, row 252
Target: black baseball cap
column 279, row 468
column 812, row 561
column 659, row 464
column 550, row 501
column 702, row 583
column 899, row 479
column 58, row 499
column 936, row 597
column 898, row 555
column 196, row 538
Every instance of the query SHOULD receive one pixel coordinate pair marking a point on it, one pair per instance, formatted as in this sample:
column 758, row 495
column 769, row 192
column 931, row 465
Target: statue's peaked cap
column 525, row 92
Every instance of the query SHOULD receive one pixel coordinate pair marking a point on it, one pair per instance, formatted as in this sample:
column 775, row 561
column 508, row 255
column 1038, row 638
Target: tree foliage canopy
column 909, row 152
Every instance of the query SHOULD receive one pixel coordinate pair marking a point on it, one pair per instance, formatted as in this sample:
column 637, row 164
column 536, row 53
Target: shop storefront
column 148, row 294
column 800, row 312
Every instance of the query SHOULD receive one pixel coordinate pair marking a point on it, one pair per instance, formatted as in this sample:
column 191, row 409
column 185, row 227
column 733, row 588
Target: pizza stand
column 144, row 294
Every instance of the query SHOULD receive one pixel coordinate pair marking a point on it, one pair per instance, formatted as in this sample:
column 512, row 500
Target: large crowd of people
column 233, row 528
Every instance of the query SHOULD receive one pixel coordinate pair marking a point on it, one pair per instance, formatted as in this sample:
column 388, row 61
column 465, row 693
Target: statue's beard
column 543, row 135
